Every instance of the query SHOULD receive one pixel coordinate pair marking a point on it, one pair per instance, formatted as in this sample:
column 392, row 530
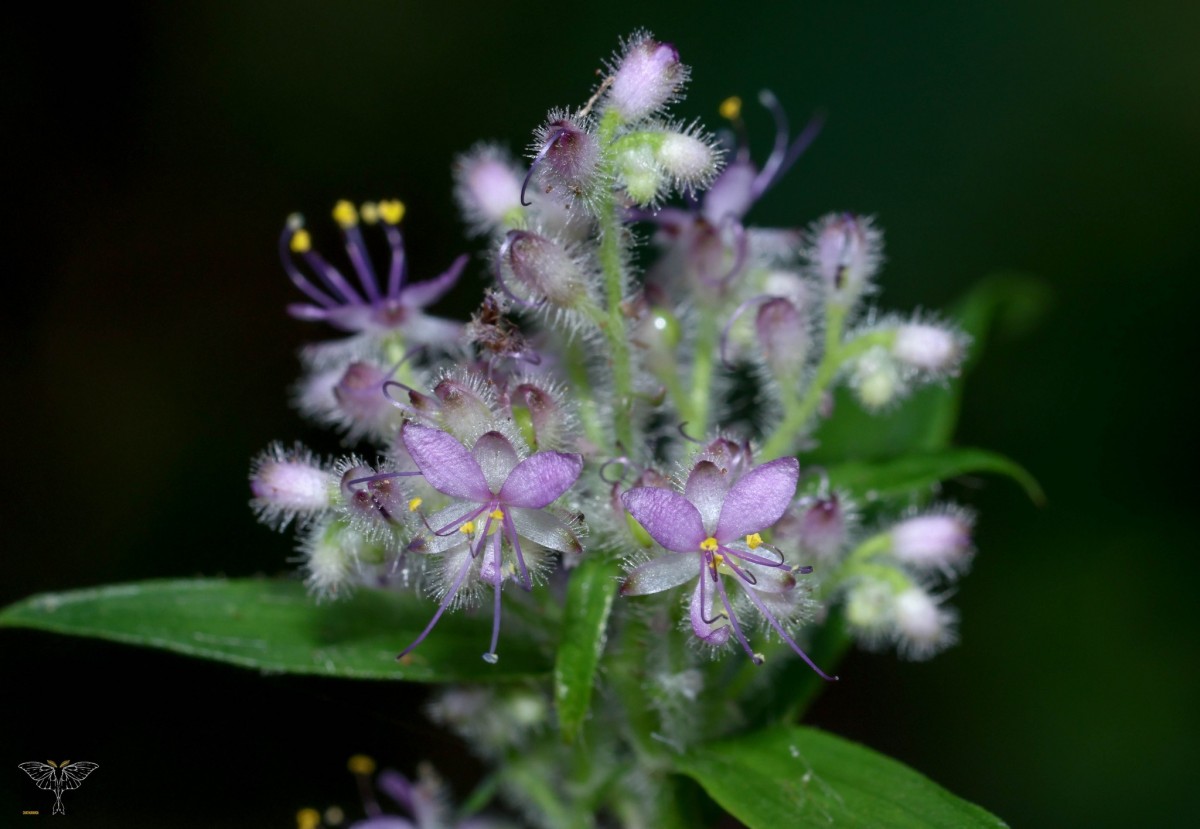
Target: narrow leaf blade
column 275, row 626
column 920, row 472
column 590, row 594
column 803, row 777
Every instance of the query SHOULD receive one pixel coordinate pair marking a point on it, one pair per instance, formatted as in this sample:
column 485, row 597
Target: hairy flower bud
column 933, row 541
column 818, row 526
column 365, row 409
column 783, row 336
column 876, row 380
column 567, row 158
column 466, row 407
column 688, row 159
column 845, row 252
column 923, row 626
column 375, row 503
column 647, row 77
column 488, row 188
column 542, row 405
column 931, row 348
column 288, row 484
column 544, row 269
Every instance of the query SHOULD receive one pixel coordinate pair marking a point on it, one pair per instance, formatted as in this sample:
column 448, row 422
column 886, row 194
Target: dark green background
column 155, row 150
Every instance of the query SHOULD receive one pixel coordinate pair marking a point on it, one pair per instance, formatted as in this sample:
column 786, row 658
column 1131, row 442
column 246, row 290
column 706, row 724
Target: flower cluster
column 577, row 386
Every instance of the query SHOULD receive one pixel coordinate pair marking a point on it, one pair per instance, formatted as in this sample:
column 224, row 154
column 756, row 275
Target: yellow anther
column 709, row 544
column 415, row 504
column 731, row 108
column 334, row 816
column 391, row 211
column 369, row 211
column 718, row 559
column 497, row 514
column 301, row 242
column 345, row 214
column 754, row 541
column 361, row 764
column 308, row 819
column 467, row 528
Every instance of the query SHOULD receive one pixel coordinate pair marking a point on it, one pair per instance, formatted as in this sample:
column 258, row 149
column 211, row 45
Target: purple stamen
column 452, row 527
column 445, row 603
column 683, row 434
column 382, row 476
column 752, row 557
column 623, row 461
column 356, row 247
column 491, row 657
column 744, row 575
column 737, row 628
column 298, row 279
column 783, row 156
column 791, row 642
column 332, row 278
column 399, row 266
column 510, row 530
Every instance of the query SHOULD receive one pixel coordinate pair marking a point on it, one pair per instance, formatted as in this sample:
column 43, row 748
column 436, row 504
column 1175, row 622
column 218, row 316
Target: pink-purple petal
column 670, row 518
column 708, row 623
column 706, row 487
column 660, row 574
column 496, row 457
column 758, row 499
column 446, row 464
column 540, row 479
column 423, row 294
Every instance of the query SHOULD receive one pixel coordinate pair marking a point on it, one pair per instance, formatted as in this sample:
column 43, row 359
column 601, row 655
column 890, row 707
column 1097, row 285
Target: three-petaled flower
column 369, row 309
column 498, row 498
column 713, row 530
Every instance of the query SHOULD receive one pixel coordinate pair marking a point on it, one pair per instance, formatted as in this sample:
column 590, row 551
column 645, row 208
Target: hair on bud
column 646, row 77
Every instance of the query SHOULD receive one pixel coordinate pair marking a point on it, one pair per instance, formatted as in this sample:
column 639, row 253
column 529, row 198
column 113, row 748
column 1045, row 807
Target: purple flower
column 368, row 308
column 713, row 528
column 498, row 498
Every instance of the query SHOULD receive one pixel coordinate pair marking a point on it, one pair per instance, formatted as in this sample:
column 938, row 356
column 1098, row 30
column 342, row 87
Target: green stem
column 581, row 389
column 836, row 354
column 614, row 325
column 702, row 371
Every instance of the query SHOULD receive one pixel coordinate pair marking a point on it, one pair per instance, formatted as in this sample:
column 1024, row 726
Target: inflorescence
column 668, row 407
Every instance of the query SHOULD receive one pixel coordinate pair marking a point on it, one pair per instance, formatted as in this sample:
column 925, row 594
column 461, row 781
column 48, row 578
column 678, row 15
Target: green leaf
column 920, row 472
column 803, row 777
column 590, row 592
column 275, row 626
column 1003, row 305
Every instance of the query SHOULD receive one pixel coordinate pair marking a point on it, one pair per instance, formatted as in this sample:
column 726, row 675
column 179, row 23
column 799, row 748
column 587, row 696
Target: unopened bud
column 544, row 269
column 934, row 541
column 922, row 625
column 869, row 606
column 819, row 527
column 688, row 160
column 287, row 484
column 487, row 187
column 331, row 554
column 640, row 174
column 375, row 502
column 548, row 417
column 930, row 348
column 783, row 336
column 876, row 380
column 647, row 77
column 361, row 400
column 466, row 411
column 845, row 252
column 568, row 157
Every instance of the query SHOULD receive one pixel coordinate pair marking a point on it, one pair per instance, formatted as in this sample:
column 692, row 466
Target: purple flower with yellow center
column 714, row 530
column 498, row 498
column 368, row 307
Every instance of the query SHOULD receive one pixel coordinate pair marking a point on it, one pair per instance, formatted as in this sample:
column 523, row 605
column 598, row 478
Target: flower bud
column 647, row 77
column 922, row 625
column 550, row 422
column 288, row 484
column 818, row 526
column 930, row 348
column 783, row 336
column 845, row 252
column 487, row 187
column 869, row 606
column 934, row 541
column 640, row 174
column 364, row 407
column 544, row 269
column 375, row 503
column 466, row 410
column 690, row 161
column 876, row 380
column 331, row 554
column 568, row 157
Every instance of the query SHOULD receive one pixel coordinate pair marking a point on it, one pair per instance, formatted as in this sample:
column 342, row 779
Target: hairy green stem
column 702, row 371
